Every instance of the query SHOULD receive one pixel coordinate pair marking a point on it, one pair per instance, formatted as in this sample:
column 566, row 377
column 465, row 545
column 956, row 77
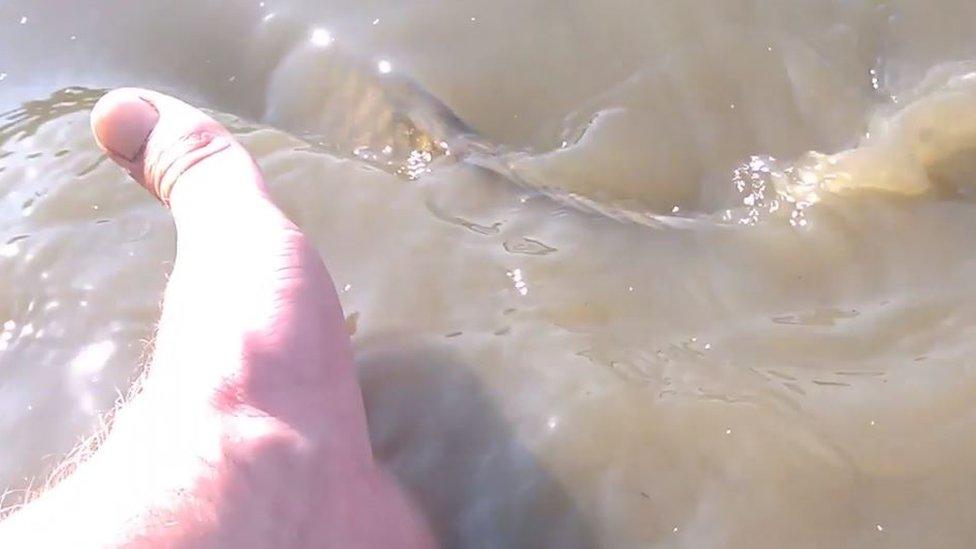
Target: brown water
column 699, row 335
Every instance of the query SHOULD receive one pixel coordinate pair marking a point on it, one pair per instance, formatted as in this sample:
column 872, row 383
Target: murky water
column 603, row 294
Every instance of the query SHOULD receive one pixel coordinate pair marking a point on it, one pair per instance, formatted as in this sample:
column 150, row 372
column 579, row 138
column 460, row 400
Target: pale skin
column 249, row 428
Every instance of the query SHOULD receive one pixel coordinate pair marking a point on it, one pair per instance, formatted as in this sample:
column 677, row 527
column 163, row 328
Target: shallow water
column 698, row 335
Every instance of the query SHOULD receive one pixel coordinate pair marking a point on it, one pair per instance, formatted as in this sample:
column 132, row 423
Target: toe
column 122, row 122
column 155, row 137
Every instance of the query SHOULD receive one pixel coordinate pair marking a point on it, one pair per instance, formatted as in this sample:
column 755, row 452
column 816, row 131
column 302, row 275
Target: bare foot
column 249, row 429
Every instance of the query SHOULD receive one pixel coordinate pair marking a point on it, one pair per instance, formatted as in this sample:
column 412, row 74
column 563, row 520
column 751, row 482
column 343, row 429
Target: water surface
column 700, row 334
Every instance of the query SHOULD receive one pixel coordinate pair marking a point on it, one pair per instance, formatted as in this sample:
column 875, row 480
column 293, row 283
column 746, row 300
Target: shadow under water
column 435, row 428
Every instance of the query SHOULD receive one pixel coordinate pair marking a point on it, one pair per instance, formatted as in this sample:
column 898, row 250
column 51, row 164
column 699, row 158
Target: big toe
column 157, row 138
column 122, row 122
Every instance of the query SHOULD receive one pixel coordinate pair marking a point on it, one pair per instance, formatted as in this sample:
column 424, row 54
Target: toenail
column 123, row 124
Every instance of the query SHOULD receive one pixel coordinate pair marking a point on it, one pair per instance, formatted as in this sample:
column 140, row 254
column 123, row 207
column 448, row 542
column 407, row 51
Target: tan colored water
column 777, row 353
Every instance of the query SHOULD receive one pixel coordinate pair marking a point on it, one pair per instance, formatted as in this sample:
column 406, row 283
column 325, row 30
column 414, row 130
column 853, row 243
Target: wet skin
column 248, row 429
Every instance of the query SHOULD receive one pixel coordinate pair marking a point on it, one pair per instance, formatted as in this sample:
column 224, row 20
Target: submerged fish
column 335, row 98
column 338, row 100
